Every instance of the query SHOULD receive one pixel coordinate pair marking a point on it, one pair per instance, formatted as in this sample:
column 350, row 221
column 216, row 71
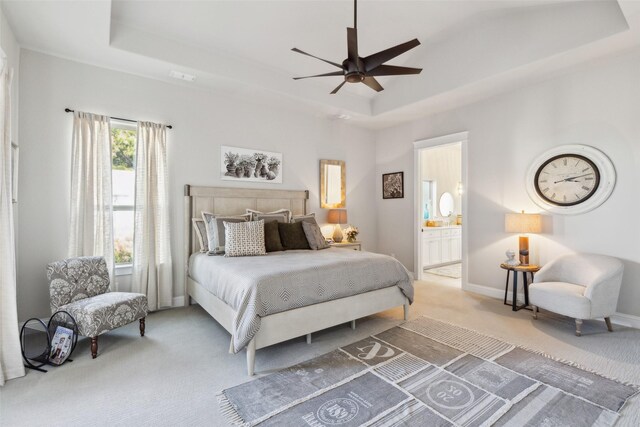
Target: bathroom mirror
column 333, row 186
column 446, row 204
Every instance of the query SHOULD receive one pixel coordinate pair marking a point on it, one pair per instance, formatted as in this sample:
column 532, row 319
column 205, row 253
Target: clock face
column 567, row 179
column 570, row 179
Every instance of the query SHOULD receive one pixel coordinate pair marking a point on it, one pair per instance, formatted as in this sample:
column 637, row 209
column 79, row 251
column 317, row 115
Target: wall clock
column 571, row 179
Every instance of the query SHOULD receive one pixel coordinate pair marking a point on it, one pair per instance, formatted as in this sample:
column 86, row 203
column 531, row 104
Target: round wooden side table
column 529, row 268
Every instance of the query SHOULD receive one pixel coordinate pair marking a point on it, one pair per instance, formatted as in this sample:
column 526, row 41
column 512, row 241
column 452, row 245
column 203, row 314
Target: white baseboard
column 626, row 320
column 483, row 290
column 621, row 319
column 178, row 301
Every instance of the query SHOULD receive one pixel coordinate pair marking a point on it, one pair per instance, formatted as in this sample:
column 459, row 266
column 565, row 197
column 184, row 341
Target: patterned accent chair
column 80, row 286
column 582, row 286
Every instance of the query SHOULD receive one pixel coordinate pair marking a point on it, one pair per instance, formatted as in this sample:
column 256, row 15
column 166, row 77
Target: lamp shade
column 337, row 216
column 522, row 223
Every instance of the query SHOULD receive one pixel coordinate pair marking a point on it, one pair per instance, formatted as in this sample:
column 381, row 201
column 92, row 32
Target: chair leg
column 142, row 327
column 607, row 320
column 578, row 327
column 94, row 347
column 534, row 309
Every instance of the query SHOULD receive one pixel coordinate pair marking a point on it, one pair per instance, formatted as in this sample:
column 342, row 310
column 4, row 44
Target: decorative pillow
column 314, row 235
column 267, row 216
column 201, row 233
column 292, row 236
column 272, row 237
column 305, row 218
column 279, row 217
column 215, row 230
column 244, row 238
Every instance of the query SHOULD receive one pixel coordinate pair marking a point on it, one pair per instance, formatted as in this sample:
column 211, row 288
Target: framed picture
column 14, row 172
column 393, row 185
column 249, row 165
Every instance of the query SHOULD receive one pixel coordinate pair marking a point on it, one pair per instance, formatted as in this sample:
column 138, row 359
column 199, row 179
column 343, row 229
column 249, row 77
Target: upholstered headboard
column 234, row 201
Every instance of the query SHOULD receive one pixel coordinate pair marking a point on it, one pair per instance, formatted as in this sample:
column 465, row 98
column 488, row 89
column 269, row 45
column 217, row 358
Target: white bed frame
column 286, row 325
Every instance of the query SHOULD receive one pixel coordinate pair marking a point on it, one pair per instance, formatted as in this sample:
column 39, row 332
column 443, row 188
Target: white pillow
column 201, row 233
column 244, row 238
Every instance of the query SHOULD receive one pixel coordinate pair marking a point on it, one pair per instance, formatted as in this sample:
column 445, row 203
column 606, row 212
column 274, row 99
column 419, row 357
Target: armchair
column 582, row 286
column 80, row 286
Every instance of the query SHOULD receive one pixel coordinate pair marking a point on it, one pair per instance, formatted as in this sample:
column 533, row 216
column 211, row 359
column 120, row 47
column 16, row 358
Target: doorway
column 440, row 176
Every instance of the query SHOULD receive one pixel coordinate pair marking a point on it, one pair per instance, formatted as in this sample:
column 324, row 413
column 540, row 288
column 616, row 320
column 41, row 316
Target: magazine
column 61, row 345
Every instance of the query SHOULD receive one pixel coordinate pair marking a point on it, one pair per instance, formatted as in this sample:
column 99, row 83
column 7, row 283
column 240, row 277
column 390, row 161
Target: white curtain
column 91, row 229
column 152, row 272
column 10, row 356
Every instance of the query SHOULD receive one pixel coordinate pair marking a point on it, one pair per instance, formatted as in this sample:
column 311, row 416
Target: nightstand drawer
column 355, row 246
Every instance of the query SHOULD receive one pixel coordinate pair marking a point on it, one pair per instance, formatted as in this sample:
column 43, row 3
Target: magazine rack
column 37, row 339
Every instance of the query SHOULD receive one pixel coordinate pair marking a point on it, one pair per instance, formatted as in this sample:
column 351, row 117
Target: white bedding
column 258, row 286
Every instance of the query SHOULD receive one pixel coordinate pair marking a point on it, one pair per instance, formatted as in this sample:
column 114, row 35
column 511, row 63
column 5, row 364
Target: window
column 123, row 149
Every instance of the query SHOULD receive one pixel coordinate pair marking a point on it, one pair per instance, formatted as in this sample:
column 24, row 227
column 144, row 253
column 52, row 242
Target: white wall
column 202, row 122
column 597, row 104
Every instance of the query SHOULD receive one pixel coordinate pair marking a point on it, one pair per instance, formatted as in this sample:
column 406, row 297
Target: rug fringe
column 540, row 353
column 229, row 411
column 579, row 366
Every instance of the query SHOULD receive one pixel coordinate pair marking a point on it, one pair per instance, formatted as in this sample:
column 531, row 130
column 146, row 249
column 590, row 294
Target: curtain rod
column 69, row 110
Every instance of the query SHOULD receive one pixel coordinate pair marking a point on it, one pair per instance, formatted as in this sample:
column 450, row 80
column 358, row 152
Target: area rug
column 428, row 373
column 454, row 271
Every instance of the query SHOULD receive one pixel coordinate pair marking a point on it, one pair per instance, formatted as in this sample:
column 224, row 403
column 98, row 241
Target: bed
column 265, row 300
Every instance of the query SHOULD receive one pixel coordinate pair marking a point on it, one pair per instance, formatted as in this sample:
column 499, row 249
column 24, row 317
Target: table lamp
column 523, row 223
column 337, row 217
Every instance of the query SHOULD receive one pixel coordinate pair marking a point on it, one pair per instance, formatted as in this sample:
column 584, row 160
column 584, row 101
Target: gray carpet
column 172, row 375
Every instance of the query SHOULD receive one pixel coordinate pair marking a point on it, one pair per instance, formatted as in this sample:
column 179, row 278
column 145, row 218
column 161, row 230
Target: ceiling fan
column 357, row 69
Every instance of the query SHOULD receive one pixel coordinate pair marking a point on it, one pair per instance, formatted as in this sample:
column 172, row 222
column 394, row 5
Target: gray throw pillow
column 305, row 218
column 257, row 215
column 215, row 230
column 270, row 217
column 292, row 236
column 314, row 235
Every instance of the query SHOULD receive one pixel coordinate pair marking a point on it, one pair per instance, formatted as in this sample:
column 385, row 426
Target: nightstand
column 524, row 269
column 356, row 246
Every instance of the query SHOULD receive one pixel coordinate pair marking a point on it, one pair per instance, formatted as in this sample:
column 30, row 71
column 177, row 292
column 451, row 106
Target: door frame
column 418, row 146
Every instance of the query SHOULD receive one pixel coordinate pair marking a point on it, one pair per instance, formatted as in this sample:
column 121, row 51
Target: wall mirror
column 446, row 204
column 333, row 185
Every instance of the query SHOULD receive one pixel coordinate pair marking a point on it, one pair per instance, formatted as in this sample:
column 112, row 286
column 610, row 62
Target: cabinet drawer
column 456, row 232
column 430, row 234
column 446, row 233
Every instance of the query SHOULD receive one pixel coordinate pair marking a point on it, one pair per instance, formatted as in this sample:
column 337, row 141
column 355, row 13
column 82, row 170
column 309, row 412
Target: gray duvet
column 262, row 285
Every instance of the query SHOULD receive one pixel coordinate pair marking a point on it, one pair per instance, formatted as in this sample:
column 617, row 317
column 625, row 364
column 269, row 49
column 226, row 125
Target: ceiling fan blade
column 377, row 59
column 295, row 49
column 333, row 92
column 373, row 84
column 335, row 73
column 352, row 45
column 392, row 70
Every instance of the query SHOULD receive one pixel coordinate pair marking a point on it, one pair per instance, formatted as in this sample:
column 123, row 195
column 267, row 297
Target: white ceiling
column 470, row 50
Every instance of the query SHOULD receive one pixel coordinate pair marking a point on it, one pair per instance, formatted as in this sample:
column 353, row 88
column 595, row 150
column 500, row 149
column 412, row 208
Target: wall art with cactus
column 249, row 165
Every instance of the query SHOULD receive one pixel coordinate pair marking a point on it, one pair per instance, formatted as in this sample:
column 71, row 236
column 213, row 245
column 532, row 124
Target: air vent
column 182, row 76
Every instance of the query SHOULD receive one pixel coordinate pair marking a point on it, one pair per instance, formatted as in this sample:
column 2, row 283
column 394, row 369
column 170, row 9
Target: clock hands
column 572, row 178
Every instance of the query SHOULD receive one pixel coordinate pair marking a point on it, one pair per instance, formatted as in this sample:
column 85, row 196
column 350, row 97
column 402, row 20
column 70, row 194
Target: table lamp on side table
column 523, row 223
column 337, row 217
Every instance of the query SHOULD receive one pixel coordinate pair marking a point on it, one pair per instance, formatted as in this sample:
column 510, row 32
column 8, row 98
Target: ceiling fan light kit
column 356, row 69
